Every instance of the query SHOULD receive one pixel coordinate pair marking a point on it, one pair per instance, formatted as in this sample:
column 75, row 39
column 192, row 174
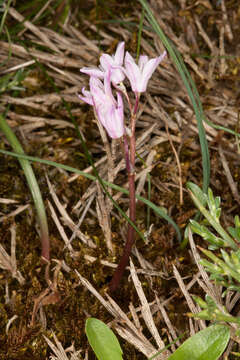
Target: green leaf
column 206, row 234
column 234, row 232
column 200, row 301
column 197, row 191
column 207, row 344
column 237, row 221
column 214, row 204
column 102, row 340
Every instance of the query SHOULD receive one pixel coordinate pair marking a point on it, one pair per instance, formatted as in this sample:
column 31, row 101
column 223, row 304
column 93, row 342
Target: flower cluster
column 112, row 71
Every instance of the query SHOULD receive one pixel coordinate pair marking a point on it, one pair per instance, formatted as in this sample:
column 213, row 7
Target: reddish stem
column 117, row 276
column 130, row 238
column 45, row 255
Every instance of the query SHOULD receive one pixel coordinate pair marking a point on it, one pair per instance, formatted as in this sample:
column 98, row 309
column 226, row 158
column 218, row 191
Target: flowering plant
column 109, row 111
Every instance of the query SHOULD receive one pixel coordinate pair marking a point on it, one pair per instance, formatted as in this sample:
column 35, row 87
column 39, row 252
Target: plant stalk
column 130, row 166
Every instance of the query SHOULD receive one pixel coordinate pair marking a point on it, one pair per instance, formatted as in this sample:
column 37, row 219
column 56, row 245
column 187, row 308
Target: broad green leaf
column 102, row 340
column 207, row 344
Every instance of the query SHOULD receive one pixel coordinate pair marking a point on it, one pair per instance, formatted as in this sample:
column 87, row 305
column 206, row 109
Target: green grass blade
column 10, row 49
column 191, row 89
column 4, row 15
column 33, row 186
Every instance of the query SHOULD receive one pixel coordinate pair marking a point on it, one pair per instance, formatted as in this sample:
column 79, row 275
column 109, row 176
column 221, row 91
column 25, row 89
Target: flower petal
column 114, row 119
column 143, row 59
column 117, row 75
column 132, row 71
column 87, row 98
column 93, row 72
column 147, row 72
column 114, row 64
column 149, row 69
column 107, row 87
column 118, row 57
column 106, row 62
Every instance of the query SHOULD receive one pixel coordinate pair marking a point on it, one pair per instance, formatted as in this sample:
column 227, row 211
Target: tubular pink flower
column 115, row 63
column 140, row 74
column 107, row 63
column 112, row 119
column 109, row 110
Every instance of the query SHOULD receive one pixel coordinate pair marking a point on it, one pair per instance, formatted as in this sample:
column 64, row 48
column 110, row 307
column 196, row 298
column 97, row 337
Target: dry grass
column 86, row 233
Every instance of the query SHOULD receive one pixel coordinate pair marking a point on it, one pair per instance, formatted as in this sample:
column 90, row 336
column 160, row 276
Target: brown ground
column 207, row 33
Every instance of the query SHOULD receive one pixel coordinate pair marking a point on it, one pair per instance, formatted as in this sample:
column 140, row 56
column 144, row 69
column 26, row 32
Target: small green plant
column 209, row 206
column 223, row 253
column 12, row 82
column 207, row 344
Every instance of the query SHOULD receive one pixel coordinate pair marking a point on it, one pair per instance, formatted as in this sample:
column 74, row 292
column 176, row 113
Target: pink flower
column 107, row 62
column 140, row 74
column 87, row 98
column 109, row 110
